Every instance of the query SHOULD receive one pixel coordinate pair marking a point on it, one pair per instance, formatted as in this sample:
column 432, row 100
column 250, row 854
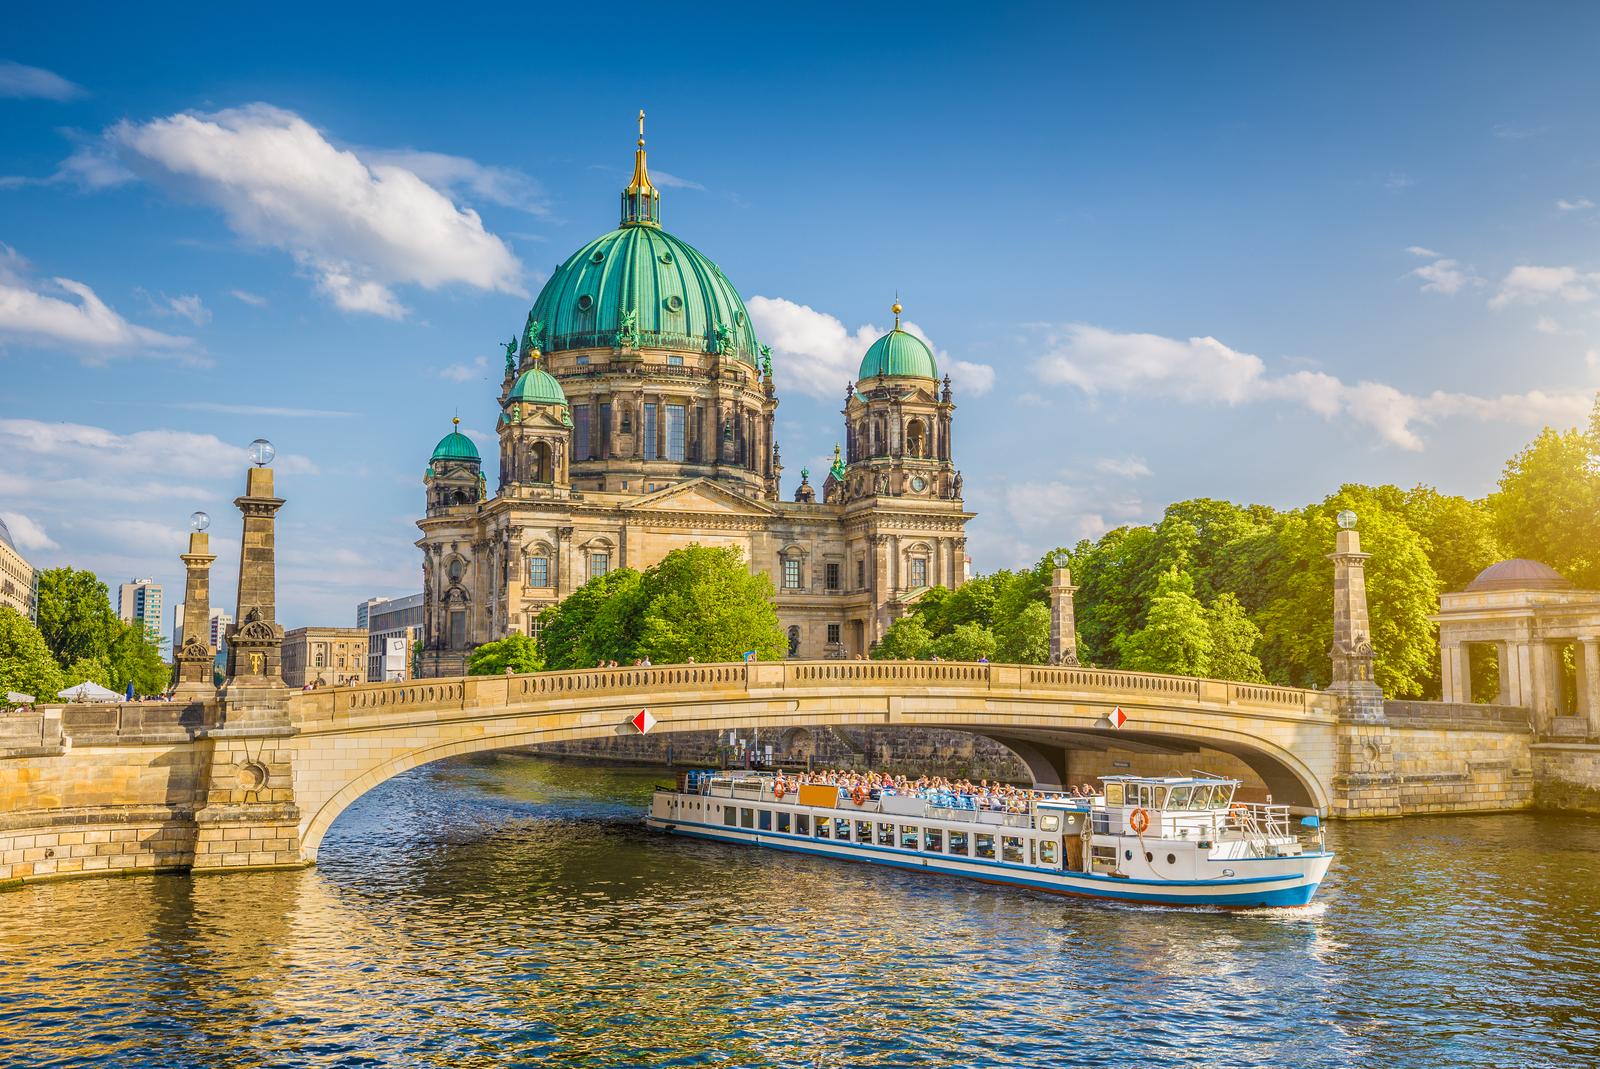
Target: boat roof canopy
column 1171, row 781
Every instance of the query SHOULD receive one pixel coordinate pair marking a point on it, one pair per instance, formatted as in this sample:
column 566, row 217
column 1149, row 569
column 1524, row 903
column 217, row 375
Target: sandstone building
column 636, row 417
column 329, row 656
column 19, row 582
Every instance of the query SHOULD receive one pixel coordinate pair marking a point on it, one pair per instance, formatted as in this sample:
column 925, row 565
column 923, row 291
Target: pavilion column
column 1545, row 685
column 1504, row 663
column 1587, row 661
column 1449, row 674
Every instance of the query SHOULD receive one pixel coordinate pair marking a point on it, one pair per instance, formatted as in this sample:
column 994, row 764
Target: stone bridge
column 101, row 789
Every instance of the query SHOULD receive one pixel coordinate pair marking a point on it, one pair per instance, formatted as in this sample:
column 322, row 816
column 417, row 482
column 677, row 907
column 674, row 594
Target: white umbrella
column 89, row 691
column 18, row 698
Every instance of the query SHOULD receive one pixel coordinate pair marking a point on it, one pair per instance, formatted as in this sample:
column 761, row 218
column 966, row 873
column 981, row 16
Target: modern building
column 392, row 627
column 324, row 656
column 140, row 601
column 636, row 417
column 19, row 582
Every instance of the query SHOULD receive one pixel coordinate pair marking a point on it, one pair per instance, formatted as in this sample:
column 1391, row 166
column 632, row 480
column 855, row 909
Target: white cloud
column 814, row 354
column 357, row 229
column 461, row 372
column 1128, row 467
column 26, row 533
column 1572, row 206
column 1033, row 400
column 1527, row 284
column 1444, row 276
column 255, row 410
column 1418, row 250
column 1399, row 180
column 190, row 307
column 249, row 298
column 505, row 186
column 672, row 181
column 87, row 452
column 1546, row 325
column 19, row 83
column 30, row 314
column 1203, row 369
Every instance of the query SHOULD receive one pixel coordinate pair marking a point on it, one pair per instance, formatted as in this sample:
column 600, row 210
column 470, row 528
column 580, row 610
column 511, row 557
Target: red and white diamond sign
column 643, row 721
column 1117, row 717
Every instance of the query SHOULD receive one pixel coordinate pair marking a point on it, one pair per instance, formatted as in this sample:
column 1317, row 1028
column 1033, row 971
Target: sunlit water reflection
column 512, row 911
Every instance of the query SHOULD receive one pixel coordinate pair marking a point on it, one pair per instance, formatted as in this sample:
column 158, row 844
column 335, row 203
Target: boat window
column 1113, row 794
column 841, row 829
column 908, row 837
column 958, row 843
column 1047, row 851
column 1144, row 795
column 802, row 824
column 1179, row 798
column 783, row 822
column 766, row 820
column 729, row 817
column 863, row 831
column 1158, row 797
column 933, row 839
column 822, row 827
column 1011, row 849
column 1221, row 794
column 1201, row 798
column 885, row 834
column 984, row 846
column 1050, row 823
column 747, row 818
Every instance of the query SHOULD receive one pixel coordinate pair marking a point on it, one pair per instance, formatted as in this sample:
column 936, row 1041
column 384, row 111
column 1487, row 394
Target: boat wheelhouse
column 1172, row 840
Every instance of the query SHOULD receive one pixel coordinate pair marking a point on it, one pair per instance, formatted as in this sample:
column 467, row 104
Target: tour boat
column 1169, row 841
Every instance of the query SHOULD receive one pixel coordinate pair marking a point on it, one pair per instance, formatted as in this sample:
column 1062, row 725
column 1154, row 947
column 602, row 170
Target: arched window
column 916, row 439
column 541, row 464
column 538, row 571
column 455, row 568
column 794, row 641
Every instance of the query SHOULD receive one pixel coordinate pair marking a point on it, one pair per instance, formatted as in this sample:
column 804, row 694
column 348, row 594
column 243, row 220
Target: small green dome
column 537, row 386
column 455, row 446
column 898, row 353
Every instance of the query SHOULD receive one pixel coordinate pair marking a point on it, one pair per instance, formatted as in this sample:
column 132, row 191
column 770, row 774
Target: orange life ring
column 779, row 790
column 1238, row 814
column 859, row 795
column 1139, row 821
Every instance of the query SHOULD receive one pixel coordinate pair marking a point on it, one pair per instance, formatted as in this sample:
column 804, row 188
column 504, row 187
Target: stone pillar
column 254, row 695
column 1063, row 621
column 196, row 656
column 1545, row 685
column 1455, row 661
column 1503, row 660
column 1587, row 661
column 1352, row 653
column 249, row 818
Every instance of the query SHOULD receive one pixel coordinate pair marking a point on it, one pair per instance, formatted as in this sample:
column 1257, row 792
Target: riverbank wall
column 1567, row 776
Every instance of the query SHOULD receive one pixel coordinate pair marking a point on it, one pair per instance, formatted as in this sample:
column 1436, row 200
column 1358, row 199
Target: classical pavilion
column 636, row 417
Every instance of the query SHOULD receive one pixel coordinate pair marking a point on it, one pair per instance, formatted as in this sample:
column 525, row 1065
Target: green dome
column 898, row 353
column 679, row 298
column 455, row 446
column 536, row 386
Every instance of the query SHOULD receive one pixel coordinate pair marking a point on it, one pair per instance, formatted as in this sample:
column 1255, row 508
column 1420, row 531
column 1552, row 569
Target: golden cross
column 641, row 123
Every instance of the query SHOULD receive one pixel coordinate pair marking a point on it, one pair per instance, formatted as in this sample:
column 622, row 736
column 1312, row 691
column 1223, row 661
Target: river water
column 512, row 911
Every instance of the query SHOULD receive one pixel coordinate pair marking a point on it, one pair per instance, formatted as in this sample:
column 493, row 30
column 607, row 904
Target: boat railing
column 1259, row 818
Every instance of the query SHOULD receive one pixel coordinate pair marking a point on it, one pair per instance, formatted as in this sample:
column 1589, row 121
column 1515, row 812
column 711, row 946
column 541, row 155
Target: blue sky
column 1236, row 251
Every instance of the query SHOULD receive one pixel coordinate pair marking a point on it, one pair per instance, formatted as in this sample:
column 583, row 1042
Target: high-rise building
column 19, row 582
column 219, row 623
column 391, row 628
column 141, row 600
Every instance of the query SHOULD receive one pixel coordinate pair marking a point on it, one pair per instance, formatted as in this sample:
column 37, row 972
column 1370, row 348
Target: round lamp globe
column 261, row 452
column 1347, row 519
column 199, row 521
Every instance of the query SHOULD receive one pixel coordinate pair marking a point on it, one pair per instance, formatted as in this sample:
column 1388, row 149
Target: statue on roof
column 725, row 344
column 533, row 332
column 766, row 360
column 511, row 355
column 628, row 333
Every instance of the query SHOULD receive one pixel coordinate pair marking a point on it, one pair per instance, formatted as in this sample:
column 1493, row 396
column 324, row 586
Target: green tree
column 1461, row 534
column 703, row 602
column 1112, row 593
column 26, row 665
column 1548, row 505
column 1025, row 638
column 516, row 651
column 88, row 670
column 1233, row 642
column 135, row 658
column 568, row 628
column 1176, row 637
column 75, row 615
column 907, row 639
column 1297, row 627
column 965, row 642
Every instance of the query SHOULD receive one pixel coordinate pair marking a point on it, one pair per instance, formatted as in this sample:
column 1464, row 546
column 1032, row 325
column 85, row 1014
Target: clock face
column 918, row 485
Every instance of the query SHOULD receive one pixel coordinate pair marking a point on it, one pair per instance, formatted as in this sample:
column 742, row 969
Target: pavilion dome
column 539, row 387
column 1519, row 574
column 455, row 446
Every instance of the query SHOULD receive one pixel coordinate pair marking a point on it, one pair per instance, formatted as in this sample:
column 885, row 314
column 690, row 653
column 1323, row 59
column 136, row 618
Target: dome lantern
column 641, row 201
column 898, row 353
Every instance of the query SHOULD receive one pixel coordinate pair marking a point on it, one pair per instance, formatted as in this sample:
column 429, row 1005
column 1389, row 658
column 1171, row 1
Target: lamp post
column 194, row 658
column 1063, row 623
column 254, row 694
column 1352, row 653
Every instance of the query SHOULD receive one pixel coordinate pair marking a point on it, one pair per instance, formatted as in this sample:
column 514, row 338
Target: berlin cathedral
column 636, row 417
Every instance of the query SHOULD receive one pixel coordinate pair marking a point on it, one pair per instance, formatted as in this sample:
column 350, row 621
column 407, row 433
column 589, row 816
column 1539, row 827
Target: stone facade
column 18, row 583
column 325, row 656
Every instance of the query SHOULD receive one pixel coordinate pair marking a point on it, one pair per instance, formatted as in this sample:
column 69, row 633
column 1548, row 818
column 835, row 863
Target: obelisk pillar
column 196, row 656
column 1063, row 620
column 250, row 819
column 1352, row 653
